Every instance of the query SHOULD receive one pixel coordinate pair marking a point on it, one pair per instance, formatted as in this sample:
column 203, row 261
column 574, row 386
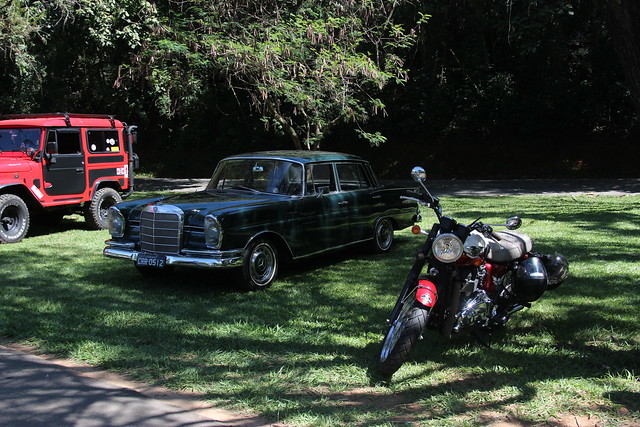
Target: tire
column 14, row 218
column 259, row 265
column 401, row 336
column 95, row 211
column 383, row 235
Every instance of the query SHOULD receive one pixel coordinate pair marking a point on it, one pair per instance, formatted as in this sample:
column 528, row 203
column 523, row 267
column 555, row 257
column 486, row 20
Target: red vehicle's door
column 64, row 170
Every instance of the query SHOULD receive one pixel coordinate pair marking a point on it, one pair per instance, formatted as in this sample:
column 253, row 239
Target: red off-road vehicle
column 57, row 163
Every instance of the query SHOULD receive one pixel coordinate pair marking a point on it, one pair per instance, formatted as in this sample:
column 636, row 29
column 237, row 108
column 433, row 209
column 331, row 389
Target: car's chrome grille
column 161, row 229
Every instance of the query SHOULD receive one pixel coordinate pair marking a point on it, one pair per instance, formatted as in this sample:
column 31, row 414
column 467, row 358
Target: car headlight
column 115, row 220
column 212, row 232
column 447, row 247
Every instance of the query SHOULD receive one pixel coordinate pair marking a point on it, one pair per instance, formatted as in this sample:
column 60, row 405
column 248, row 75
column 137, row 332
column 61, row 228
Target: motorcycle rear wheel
column 401, row 336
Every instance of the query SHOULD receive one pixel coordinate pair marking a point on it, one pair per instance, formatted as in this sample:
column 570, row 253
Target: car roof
column 302, row 156
column 59, row 120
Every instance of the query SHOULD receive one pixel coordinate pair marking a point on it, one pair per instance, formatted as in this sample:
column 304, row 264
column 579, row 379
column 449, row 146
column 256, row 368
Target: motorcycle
column 476, row 278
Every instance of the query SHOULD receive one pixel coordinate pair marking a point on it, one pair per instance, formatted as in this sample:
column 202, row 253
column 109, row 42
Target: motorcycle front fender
column 427, row 293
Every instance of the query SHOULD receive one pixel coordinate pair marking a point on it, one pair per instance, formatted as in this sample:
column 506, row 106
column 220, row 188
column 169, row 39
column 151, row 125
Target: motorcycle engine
column 475, row 310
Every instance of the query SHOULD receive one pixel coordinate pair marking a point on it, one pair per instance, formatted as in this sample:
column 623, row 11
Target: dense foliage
column 536, row 86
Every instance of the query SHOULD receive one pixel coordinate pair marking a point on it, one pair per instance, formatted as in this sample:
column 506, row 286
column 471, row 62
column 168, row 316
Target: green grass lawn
column 302, row 352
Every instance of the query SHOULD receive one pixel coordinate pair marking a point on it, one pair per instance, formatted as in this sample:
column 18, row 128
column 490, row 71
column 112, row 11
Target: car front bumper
column 186, row 258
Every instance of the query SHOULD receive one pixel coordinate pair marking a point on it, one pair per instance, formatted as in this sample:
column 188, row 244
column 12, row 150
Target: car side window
column 320, row 177
column 103, row 141
column 352, row 176
column 68, row 142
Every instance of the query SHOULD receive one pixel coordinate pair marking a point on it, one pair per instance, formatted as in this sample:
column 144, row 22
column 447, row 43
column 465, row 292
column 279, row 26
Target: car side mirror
column 514, row 222
column 322, row 191
column 52, row 148
column 31, row 152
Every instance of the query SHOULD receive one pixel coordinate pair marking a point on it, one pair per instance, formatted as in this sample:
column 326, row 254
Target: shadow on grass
column 298, row 342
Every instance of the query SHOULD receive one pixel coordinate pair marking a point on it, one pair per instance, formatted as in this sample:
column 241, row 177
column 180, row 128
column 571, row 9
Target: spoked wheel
column 260, row 265
column 383, row 235
column 402, row 335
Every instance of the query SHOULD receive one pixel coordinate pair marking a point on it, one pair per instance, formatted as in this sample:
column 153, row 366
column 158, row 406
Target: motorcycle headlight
column 212, row 232
column 115, row 221
column 447, row 247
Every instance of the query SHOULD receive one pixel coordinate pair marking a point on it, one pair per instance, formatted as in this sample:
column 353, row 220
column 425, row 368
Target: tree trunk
column 286, row 126
column 623, row 23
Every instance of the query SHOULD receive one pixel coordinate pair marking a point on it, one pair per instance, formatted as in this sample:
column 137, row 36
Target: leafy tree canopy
column 306, row 65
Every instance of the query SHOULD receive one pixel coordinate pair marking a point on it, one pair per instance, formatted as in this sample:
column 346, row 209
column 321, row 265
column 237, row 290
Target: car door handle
column 79, row 170
column 343, row 203
column 376, row 197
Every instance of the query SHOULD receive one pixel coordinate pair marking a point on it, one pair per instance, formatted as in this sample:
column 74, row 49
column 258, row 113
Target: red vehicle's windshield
column 19, row 139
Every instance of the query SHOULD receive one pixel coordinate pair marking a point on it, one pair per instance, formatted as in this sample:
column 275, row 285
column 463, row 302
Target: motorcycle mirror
column 514, row 222
column 418, row 174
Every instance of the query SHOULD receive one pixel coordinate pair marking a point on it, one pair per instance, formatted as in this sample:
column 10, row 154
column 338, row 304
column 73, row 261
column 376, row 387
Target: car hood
column 202, row 203
column 13, row 164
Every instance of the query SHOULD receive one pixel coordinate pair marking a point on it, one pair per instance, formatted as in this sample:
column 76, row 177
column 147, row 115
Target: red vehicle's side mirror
column 52, row 147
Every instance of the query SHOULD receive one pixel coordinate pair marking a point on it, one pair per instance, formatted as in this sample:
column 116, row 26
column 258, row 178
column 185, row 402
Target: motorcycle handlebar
column 487, row 230
column 423, row 199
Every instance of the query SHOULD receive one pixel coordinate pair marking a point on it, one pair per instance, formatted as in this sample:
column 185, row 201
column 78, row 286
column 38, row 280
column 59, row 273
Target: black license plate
column 150, row 260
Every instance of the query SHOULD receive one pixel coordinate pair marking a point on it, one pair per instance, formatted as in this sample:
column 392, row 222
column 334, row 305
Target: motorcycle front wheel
column 401, row 336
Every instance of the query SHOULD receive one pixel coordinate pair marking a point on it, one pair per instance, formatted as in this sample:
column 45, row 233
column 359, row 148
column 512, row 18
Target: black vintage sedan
column 258, row 210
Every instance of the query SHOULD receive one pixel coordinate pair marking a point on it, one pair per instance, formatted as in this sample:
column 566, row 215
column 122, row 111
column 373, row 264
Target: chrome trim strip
column 126, row 245
column 333, row 248
column 201, row 259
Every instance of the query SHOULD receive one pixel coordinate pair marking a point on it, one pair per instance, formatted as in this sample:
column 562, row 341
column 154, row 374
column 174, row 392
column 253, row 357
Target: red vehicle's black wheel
column 95, row 211
column 14, row 218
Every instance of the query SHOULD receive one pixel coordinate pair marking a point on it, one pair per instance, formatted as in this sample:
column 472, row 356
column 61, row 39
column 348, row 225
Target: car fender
column 279, row 240
column 31, row 196
column 97, row 185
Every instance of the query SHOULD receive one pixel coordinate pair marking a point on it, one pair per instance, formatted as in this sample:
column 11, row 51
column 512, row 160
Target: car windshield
column 19, row 139
column 258, row 175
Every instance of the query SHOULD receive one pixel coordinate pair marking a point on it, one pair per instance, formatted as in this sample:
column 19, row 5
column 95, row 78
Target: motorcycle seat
column 512, row 245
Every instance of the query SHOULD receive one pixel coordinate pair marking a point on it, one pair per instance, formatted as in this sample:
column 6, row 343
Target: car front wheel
column 260, row 265
column 14, row 218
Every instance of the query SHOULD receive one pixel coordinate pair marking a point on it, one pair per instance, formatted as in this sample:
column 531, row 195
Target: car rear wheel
column 383, row 235
column 260, row 265
column 95, row 212
column 14, row 218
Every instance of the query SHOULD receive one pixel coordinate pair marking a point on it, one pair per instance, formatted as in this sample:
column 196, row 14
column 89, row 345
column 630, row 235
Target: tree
column 305, row 65
column 18, row 26
column 623, row 23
